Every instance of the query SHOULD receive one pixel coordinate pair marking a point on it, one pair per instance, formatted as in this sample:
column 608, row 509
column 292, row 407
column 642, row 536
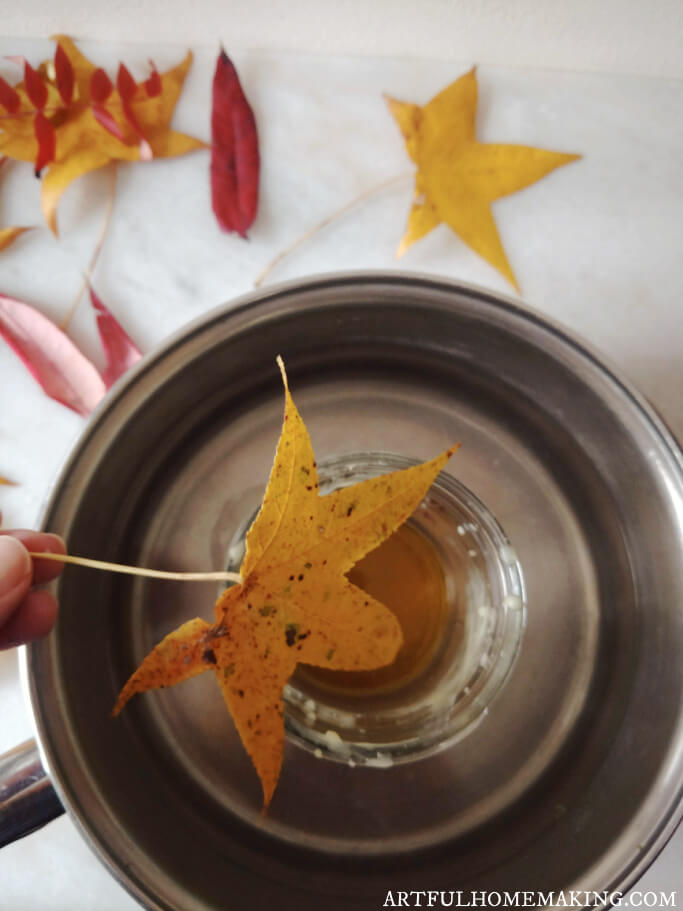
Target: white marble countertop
column 595, row 246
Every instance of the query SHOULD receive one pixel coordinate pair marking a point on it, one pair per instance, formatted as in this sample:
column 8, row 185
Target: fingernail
column 15, row 563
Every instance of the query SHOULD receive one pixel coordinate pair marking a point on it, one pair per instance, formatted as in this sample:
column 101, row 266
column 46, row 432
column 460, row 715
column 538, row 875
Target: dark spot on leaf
column 291, row 631
column 228, row 671
column 301, row 576
column 209, row 656
column 266, row 610
column 330, row 654
column 308, row 566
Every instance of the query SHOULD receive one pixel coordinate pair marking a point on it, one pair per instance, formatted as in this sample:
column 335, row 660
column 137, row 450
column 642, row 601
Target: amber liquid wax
column 405, row 574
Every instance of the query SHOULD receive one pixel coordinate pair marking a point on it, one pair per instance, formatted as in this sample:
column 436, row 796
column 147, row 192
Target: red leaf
column 64, row 75
column 234, row 151
column 65, row 374
column 153, row 83
column 105, row 119
column 9, row 97
column 121, row 352
column 100, row 87
column 47, row 141
column 126, row 85
column 35, row 87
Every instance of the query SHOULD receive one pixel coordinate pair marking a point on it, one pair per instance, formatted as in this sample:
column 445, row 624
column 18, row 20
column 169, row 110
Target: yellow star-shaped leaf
column 458, row 178
column 295, row 603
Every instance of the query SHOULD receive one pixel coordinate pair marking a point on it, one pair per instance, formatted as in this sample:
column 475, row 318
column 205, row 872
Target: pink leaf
column 119, row 349
column 105, row 119
column 65, row 374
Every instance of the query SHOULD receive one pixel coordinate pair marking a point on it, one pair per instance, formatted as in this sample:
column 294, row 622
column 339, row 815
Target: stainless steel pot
column 573, row 780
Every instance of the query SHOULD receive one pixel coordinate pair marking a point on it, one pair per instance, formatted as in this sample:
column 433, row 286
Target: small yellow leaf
column 457, row 177
column 7, row 482
column 83, row 68
column 295, row 603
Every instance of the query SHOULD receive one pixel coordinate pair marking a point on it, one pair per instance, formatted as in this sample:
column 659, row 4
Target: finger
column 34, row 618
column 15, row 575
column 40, row 542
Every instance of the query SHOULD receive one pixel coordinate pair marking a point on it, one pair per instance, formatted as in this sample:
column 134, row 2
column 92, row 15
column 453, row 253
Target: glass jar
column 479, row 635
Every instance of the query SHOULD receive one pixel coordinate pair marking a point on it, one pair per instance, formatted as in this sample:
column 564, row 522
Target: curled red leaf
column 65, row 374
column 47, row 141
column 9, row 97
column 235, row 160
column 35, row 87
column 153, row 83
column 100, row 87
column 120, row 350
column 125, row 84
column 64, row 75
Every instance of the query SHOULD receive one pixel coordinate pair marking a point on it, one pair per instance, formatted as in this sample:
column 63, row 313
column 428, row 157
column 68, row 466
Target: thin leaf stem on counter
column 87, row 275
column 378, row 188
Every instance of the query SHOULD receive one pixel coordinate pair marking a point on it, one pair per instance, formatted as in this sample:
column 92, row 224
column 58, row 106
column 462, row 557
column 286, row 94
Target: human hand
column 26, row 615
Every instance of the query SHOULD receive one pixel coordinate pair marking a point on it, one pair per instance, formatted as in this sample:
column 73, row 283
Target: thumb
column 16, row 570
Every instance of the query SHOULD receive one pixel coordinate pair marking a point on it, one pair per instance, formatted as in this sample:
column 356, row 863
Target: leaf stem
column 378, row 188
column 87, row 275
column 138, row 570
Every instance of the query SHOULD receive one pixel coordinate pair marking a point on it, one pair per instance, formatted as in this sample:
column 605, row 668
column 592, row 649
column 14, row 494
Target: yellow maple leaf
column 458, row 178
column 82, row 143
column 295, row 603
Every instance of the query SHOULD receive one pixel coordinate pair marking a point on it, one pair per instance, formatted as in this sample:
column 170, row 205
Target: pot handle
column 27, row 799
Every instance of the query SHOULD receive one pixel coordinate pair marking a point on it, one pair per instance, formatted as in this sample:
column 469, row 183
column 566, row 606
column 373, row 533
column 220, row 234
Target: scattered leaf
column 153, row 83
column 65, row 374
column 92, row 122
column 64, row 75
column 47, row 141
column 234, row 151
column 101, row 86
column 295, row 603
column 120, row 350
column 9, row 97
column 127, row 88
column 35, row 87
column 7, row 482
column 457, row 177
column 125, row 84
